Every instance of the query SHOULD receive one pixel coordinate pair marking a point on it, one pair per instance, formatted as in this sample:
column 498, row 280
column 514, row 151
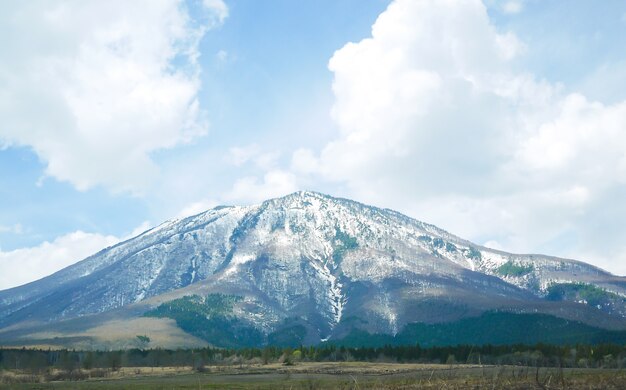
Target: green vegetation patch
column 495, row 328
column 210, row 318
column 438, row 243
column 593, row 295
column 511, row 269
column 291, row 336
column 473, row 253
column 344, row 242
column 213, row 305
column 450, row 247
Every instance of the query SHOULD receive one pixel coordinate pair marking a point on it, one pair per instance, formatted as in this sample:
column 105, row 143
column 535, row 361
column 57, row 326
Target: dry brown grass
column 326, row 376
column 119, row 334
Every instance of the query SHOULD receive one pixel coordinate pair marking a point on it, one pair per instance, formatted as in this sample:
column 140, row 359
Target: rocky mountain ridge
column 327, row 265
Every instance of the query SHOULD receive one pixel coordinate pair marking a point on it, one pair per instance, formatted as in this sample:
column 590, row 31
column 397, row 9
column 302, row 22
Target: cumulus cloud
column 585, row 138
column 95, row 88
column 425, row 94
column 434, row 120
column 48, row 257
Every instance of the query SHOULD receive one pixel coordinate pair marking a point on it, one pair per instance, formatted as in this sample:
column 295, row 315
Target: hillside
column 305, row 264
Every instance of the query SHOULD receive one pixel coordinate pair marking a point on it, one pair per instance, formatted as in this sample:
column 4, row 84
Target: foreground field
column 335, row 376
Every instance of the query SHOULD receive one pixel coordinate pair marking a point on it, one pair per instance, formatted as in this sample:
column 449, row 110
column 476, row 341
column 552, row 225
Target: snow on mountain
column 332, row 263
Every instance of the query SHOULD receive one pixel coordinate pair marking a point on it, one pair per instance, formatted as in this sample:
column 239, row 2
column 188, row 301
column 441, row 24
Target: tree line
column 37, row 361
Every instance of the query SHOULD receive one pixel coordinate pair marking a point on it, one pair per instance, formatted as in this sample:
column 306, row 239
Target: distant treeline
column 540, row 355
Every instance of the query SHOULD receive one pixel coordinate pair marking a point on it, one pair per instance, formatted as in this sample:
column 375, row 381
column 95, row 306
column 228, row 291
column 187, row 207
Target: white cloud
column 512, row 7
column 250, row 189
column 586, row 139
column 48, row 257
column 434, row 121
column 423, row 95
column 220, row 11
column 258, row 179
column 25, row 265
column 95, row 88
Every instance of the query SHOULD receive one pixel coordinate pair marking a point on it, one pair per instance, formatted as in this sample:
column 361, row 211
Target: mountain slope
column 323, row 264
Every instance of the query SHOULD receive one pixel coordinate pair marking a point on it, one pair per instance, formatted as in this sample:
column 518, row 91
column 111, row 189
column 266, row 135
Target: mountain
column 305, row 268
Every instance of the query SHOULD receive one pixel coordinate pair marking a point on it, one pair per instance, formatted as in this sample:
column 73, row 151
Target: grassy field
column 334, row 376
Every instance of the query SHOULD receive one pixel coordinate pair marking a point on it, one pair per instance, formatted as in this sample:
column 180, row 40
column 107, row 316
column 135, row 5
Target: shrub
column 511, row 269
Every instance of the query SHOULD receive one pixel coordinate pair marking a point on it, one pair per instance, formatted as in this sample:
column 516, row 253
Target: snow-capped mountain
column 328, row 264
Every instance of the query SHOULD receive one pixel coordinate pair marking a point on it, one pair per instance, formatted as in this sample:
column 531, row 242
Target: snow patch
column 336, row 299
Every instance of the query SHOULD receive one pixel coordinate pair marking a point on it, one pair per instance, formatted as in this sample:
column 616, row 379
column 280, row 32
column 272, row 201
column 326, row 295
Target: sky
column 503, row 122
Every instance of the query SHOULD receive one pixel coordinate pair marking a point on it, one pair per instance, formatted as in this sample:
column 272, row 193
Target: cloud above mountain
column 498, row 120
column 49, row 257
column 95, row 88
column 436, row 117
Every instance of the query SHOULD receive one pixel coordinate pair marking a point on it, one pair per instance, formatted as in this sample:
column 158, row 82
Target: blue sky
column 501, row 121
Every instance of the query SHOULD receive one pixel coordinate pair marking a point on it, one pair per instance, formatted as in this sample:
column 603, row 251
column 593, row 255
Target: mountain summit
column 306, row 265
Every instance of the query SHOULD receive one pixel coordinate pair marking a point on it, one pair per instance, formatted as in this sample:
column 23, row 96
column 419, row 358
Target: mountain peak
column 302, row 195
column 326, row 263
